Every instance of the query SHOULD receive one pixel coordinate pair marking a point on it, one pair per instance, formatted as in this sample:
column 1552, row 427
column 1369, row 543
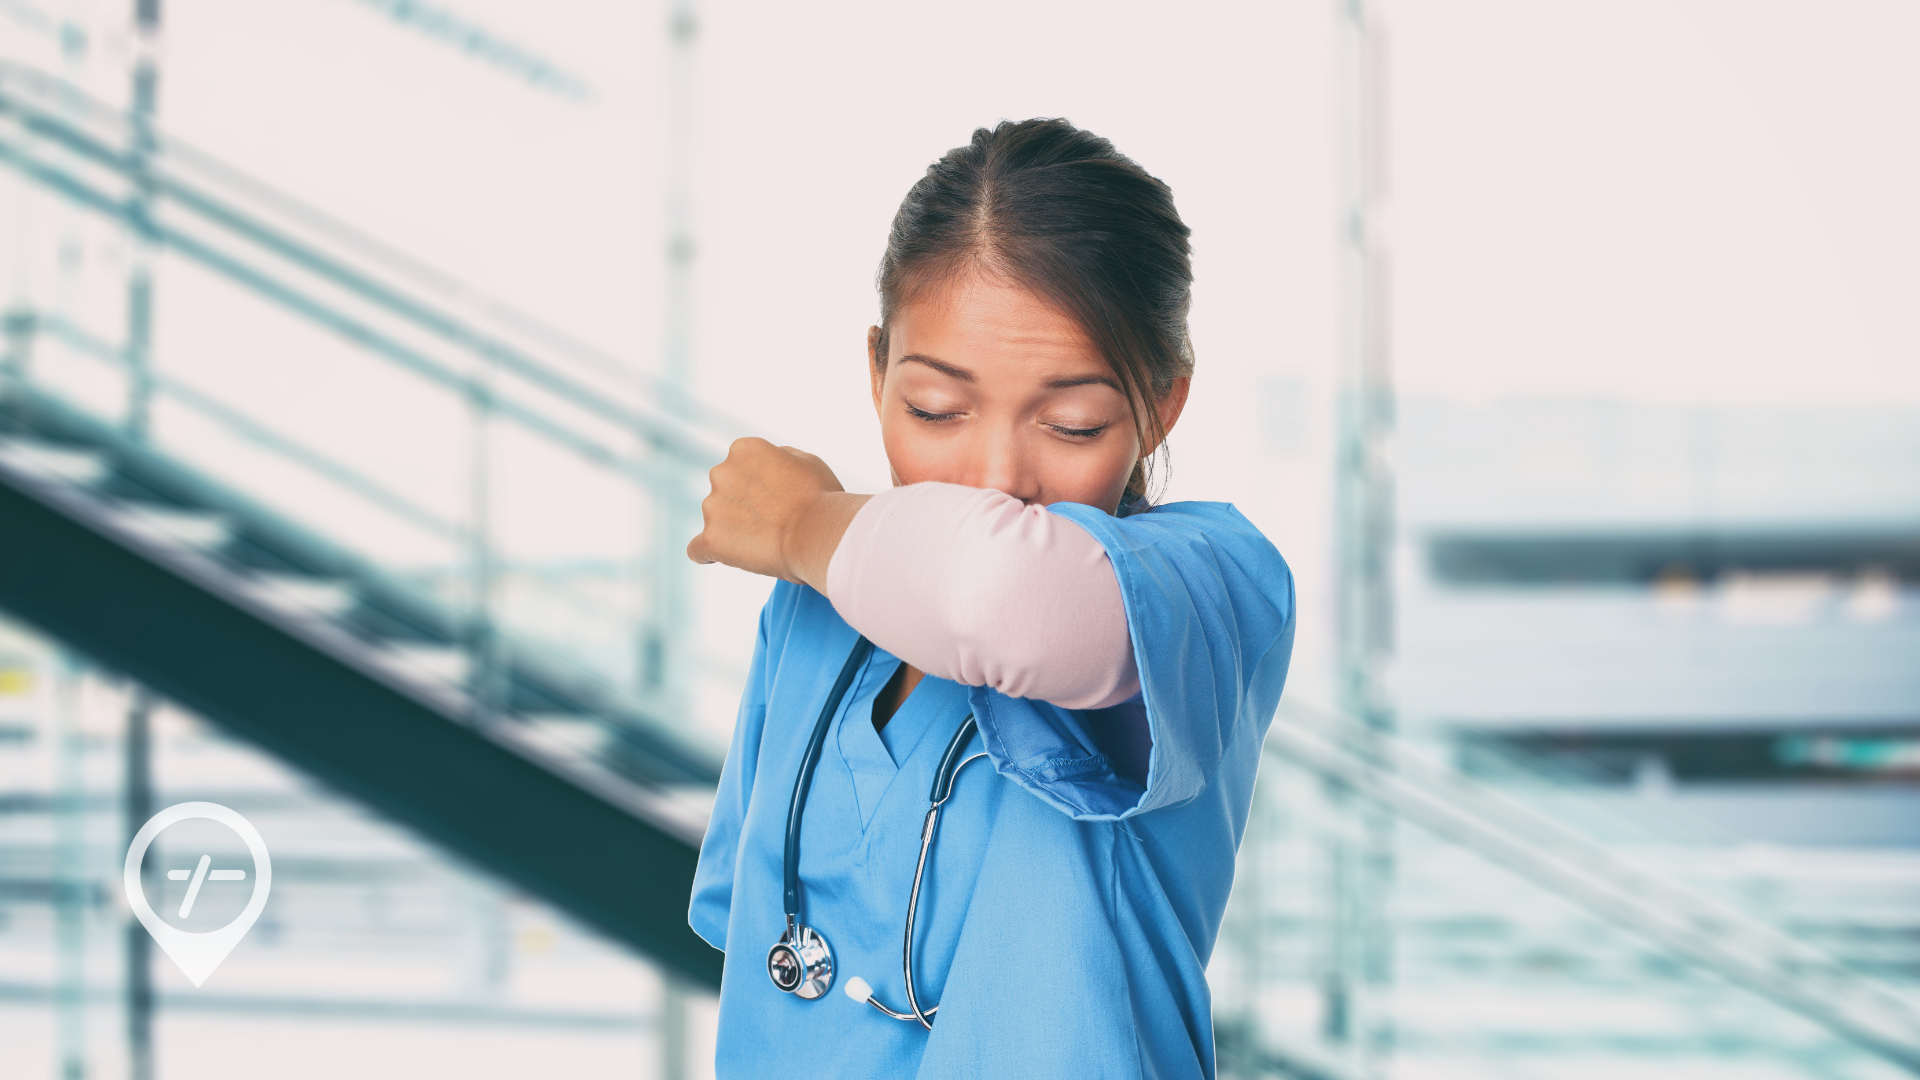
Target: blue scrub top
column 1069, row 909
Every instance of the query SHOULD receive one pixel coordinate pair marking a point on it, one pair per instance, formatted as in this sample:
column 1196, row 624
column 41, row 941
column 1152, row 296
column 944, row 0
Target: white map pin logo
column 198, row 954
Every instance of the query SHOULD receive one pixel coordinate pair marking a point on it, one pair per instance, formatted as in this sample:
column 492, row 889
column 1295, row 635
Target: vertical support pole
column 70, row 877
column 667, row 624
column 19, row 311
column 485, row 688
column 16, row 366
column 139, row 807
column 66, row 300
column 20, row 319
column 673, row 1028
column 683, row 31
column 494, row 945
column 144, row 104
column 1360, row 856
column 1238, row 1043
column 1366, row 403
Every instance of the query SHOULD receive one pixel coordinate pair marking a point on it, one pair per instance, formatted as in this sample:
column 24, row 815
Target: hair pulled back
column 1059, row 212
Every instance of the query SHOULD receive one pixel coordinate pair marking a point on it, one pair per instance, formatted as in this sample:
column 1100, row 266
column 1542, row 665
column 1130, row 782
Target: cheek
column 912, row 452
column 1094, row 476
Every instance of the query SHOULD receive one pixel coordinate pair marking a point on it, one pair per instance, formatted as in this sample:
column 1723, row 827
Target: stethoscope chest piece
column 801, row 962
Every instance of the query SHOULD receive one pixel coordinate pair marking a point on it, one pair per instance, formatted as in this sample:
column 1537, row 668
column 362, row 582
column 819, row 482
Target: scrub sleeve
column 1210, row 607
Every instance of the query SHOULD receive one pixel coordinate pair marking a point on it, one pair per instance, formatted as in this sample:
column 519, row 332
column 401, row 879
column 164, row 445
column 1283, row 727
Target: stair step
column 436, row 662
column 572, row 735
column 50, row 462
column 305, row 595
column 184, row 528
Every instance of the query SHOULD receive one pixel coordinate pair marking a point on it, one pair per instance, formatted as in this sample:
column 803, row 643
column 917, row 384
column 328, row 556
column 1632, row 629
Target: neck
column 895, row 692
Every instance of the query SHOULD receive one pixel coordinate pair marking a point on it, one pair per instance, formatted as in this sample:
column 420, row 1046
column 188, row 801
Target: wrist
column 815, row 536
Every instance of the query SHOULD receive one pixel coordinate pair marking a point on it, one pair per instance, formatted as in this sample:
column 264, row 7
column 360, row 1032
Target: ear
column 876, row 365
column 1170, row 408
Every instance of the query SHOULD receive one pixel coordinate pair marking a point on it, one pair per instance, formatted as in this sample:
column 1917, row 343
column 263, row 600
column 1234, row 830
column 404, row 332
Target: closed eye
column 1078, row 433
column 930, row 417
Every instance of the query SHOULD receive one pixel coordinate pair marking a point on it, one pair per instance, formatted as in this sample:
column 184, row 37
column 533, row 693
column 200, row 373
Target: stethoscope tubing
column 803, row 782
column 943, row 780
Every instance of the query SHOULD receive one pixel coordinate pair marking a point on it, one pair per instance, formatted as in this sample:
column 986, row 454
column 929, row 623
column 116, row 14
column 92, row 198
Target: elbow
column 985, row 635
column 1058, row 638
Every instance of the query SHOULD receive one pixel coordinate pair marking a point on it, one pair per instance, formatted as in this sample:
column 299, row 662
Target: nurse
column 1120, row 658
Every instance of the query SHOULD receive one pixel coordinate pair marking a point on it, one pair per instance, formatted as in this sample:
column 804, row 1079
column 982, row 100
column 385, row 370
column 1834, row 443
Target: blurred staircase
column 351, row 674
column 587, row 793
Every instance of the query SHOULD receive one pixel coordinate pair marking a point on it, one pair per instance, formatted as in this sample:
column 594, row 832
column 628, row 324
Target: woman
column 1120, row 661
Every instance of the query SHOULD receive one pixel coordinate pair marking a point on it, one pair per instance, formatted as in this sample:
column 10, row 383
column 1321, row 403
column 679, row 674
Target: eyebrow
column 1083, row 380
column 958, row 372
column 941, row 366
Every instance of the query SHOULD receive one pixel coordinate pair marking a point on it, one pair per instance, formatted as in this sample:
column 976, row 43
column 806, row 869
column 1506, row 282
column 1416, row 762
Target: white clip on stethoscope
column 802, row 962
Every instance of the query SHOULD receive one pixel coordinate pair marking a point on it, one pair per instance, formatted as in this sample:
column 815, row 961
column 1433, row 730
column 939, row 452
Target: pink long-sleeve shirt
column 972, row 585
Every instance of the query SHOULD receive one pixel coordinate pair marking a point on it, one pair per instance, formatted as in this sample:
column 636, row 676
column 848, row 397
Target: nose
column 1005, row 465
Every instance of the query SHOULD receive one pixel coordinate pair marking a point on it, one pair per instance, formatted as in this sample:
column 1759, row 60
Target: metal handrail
column 396, row 599
column 53, row 112
column 257, row 433
column 206, row 405
column 357, row 331
column 1718, row 937
column 503, row 365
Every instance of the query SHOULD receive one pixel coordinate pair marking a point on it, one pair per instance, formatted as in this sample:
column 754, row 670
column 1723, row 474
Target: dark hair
column 1060, row 212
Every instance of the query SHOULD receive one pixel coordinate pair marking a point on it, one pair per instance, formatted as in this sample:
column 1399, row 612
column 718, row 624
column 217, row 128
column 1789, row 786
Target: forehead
column 984, row 317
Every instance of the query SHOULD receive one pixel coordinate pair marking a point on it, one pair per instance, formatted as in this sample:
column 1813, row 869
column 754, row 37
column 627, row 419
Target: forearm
column 970, row 585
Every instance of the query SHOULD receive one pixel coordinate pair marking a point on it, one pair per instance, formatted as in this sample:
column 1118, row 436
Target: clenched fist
column 774, row 510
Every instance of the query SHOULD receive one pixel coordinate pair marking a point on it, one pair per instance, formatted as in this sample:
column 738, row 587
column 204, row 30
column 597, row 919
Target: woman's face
column 988, row 386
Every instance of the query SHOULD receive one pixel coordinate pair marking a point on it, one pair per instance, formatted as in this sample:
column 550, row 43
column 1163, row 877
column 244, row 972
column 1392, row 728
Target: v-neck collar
column 875, row 758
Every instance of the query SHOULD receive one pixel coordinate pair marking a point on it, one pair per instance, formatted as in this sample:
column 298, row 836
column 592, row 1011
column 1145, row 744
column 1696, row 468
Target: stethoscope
column 802, row 962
